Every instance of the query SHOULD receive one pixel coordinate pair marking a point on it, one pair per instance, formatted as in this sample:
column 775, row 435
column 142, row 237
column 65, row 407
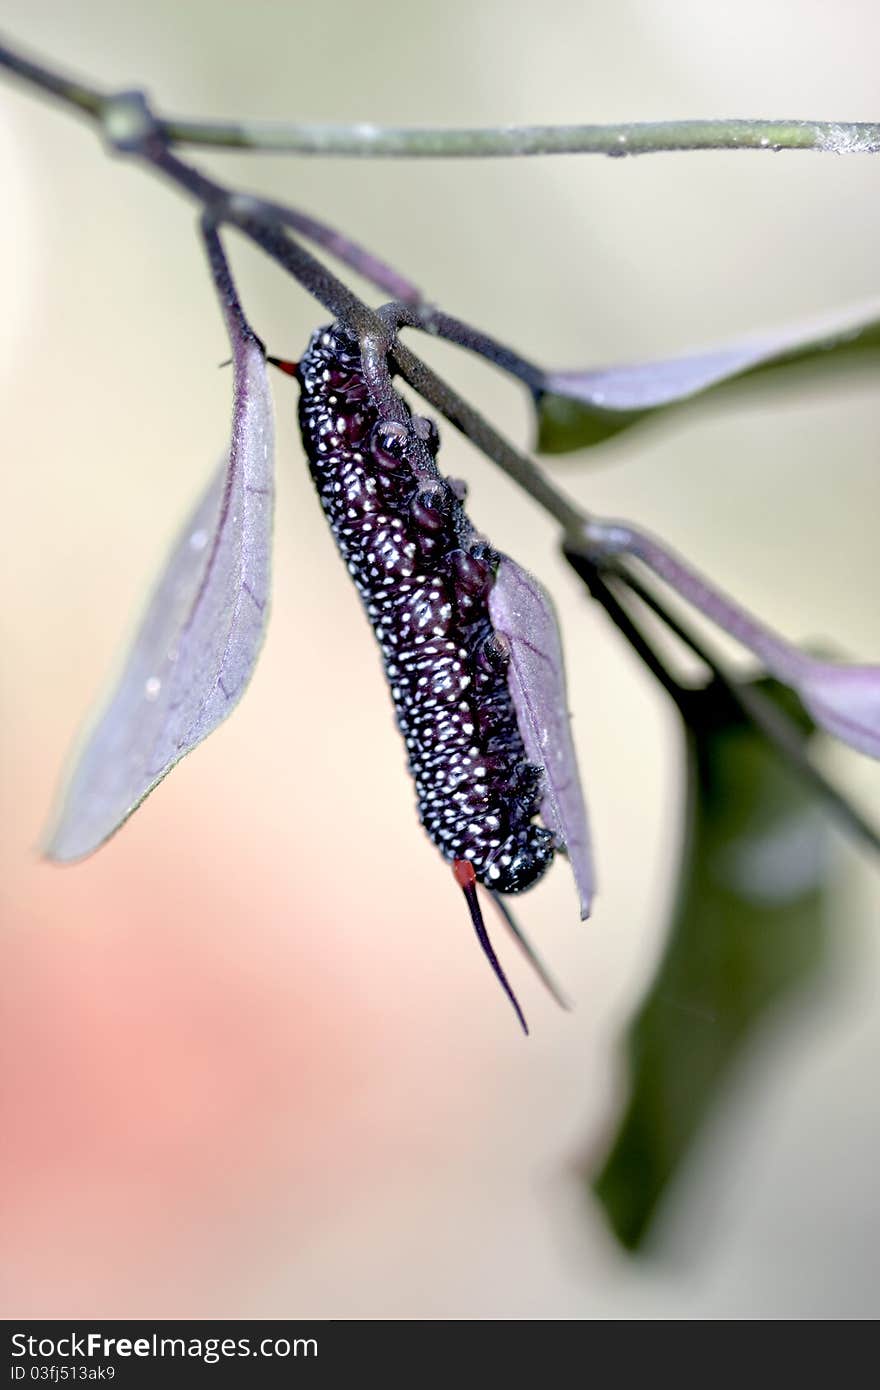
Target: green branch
column 81, row 95
column 494, row 142
column 504, row 142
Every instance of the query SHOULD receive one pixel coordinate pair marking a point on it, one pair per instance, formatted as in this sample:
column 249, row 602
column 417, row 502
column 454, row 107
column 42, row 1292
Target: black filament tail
column 467, row 882
column 530, row 953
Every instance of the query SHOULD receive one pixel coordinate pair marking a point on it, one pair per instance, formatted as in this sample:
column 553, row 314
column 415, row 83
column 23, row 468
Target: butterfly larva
column 424, row 576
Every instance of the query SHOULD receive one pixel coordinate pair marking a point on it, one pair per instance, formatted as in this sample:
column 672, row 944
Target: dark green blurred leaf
column 565, row 425
column 748, row 928
column 579, row 409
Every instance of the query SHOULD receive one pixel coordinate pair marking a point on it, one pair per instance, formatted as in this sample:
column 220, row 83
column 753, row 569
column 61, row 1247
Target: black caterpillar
column 424, row 577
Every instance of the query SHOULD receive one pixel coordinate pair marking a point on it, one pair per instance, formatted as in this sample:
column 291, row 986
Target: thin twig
column 437, row 324
column 137, row 133
column 131, row 128
column 351, row 253
column 504, row 142
column 364, row 140
column 765, row 715
column 607, row 540
column 587, row 570
column 81, row 95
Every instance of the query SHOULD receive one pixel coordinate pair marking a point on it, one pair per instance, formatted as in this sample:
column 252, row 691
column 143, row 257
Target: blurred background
column 254, row 1064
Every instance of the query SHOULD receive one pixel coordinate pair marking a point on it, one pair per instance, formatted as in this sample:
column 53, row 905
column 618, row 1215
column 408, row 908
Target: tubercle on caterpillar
column 424, row 575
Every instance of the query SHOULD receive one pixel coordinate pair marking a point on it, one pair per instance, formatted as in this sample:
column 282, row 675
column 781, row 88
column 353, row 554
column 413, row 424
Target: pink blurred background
column 253, row 1062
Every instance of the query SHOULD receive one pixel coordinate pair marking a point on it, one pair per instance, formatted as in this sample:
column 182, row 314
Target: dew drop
column 152, row 688
column 198, row 540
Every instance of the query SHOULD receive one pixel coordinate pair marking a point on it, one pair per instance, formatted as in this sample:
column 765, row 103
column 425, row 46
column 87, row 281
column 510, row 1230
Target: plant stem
column 494, row 142
column 605, row 540
column 134, row 130
column 81, row 95
column 131, row 127
column 351, row 253
column 599, row 590
column 765, row 714
column 519, row 467
column 224, row 284
column 437, row 324
column 505, row 142
column 142, row 139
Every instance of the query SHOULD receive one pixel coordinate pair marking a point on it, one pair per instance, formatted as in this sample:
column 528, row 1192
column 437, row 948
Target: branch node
column 128, row 123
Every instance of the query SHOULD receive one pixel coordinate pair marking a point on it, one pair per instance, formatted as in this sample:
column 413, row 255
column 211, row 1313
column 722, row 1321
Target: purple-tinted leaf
column 522, row 611
column 580, row 408
column 845, row 701
column 197, row 644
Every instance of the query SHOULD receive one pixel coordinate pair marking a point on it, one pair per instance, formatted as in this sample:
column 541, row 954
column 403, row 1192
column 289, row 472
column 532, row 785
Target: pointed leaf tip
column 580, row 408
column 195, row 650
column 522, row 611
